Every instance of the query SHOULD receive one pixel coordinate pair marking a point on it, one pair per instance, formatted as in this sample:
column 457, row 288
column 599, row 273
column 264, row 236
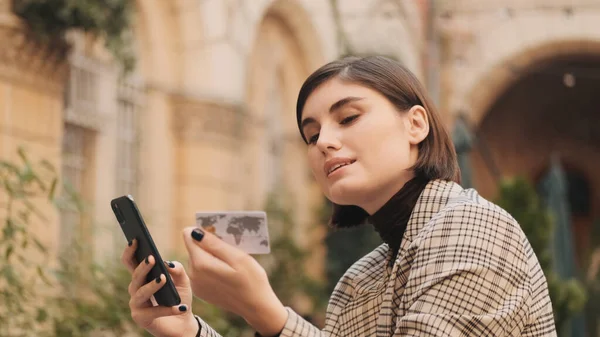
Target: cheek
column 315, row 162
column 389, row 154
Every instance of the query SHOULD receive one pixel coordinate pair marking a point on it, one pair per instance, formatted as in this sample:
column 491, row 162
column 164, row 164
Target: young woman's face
column 360, row 146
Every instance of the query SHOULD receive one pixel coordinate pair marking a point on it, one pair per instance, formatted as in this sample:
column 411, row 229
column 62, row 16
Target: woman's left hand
column 229, row 278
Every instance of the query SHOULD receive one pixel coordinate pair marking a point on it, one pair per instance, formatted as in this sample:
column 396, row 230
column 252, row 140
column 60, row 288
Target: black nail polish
column 147, row 260
column 170, row 264
column 197, row 234
column 129, row 243
column 182, row 308
column 158, row 279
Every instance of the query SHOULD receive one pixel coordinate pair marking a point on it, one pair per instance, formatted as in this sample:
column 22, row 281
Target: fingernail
column 197, row 234
column 183, row 308
column 158, row 279
column 147, row 260
column 170, row 264
column 129, row 243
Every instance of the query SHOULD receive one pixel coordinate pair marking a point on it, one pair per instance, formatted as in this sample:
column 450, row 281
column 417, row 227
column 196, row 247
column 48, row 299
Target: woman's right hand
column 161, row 321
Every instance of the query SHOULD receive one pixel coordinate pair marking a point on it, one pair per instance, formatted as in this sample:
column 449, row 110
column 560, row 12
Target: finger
column 127, row 258
column 178, row 274
column 139, row 274
column 203, row 261
column 231, row 255
column 142, row 296
column 144, row 316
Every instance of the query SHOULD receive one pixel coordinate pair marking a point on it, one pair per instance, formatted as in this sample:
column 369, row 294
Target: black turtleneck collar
column 391, row 219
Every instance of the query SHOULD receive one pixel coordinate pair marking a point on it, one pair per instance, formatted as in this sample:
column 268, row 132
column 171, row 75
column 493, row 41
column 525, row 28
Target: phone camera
column 118, row 213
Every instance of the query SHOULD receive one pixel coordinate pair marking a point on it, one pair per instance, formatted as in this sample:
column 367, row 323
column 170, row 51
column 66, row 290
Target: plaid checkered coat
column 465, row 268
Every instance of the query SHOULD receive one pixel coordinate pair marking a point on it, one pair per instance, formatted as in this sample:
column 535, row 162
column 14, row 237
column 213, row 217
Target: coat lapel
column 434, row 197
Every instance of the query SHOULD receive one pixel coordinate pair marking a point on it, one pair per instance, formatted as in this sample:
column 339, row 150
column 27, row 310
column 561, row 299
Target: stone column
column 209, row 172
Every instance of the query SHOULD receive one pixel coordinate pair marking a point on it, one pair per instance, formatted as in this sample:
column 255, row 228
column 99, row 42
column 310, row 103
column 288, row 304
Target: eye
column 349, row 119
column 313, row 139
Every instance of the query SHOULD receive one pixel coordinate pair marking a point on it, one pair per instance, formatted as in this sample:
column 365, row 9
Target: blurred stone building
column 206, row 121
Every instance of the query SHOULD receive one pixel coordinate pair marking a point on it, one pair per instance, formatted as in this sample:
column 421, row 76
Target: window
column 129, row 100
column 75, row 162
column 83, row 118
column 83, row 95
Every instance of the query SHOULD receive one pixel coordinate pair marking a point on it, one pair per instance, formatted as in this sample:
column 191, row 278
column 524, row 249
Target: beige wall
column 31, row 110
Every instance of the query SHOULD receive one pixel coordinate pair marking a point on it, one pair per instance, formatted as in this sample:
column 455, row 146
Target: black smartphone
column 133, row 226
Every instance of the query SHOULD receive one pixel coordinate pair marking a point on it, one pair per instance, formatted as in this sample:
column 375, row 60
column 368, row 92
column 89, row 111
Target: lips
column 335, row 163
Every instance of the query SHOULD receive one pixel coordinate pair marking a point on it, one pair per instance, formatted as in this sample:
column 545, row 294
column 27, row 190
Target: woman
column 453, row 264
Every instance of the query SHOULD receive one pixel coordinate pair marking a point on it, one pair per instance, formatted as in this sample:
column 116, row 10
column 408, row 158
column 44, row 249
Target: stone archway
column 507, row 71
column 483, row 40
column 548, row 108
column 285, row 51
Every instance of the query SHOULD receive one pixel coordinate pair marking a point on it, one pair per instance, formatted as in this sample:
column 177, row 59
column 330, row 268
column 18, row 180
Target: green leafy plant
column 93, row 297
column 592, row 281
column 39, row 298
column 519, row 198
column 286, row 263
column 21, row 274
column 344, row 246
column 50, row 20
column 78, row 297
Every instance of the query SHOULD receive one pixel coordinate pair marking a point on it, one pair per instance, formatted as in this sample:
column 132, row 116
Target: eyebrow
column 334, row 107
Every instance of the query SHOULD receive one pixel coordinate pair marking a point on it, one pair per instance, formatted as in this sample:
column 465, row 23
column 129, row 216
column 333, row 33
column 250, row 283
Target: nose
column 328, row 140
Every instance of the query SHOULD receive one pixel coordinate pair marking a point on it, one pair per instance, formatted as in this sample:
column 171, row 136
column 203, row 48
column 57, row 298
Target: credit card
column 246, row 230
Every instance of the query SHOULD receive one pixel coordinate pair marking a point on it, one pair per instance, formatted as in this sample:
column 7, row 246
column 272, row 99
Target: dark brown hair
column 437, row 157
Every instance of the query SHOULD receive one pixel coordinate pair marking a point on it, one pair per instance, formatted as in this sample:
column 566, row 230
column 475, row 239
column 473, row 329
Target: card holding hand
column 246, row 230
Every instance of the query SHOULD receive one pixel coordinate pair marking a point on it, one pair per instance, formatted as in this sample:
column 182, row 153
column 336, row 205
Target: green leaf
column 24, row 215
column 47, row 165
column 8, row 252
column 52, row 189
column 42, row 315
column 27, row 175
column 10, row 167
column 42, row 275
column 30, row 206
column 41, row 185
column 8, row 231
column 22, row 259
column 22, row 155
column 8, row 188
column 39, row 245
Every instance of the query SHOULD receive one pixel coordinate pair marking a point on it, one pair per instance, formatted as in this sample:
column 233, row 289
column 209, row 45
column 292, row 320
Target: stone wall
column 32, row 83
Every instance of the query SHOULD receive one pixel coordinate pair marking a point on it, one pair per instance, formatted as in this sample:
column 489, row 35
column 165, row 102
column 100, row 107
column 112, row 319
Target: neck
column 391, row 220
column 384, row 195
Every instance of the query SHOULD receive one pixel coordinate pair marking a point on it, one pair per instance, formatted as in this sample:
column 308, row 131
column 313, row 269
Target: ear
column 417, row 124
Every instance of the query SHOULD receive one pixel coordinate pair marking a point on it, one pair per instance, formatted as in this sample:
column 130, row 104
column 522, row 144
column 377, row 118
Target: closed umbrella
column 463, row 140
column 554, row 190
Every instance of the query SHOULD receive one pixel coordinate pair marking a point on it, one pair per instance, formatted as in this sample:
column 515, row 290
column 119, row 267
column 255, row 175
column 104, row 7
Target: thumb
column 197, row 255
column 209, row 243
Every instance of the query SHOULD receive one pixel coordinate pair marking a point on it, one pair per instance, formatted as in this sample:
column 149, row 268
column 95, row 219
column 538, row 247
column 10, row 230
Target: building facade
column 206, row 121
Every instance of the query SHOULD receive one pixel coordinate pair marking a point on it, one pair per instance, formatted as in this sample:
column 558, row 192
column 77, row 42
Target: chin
column 346, row 192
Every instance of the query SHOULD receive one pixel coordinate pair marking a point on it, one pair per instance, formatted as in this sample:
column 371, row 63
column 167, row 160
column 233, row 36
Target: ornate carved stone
column 27, row 61
column 204, row 120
